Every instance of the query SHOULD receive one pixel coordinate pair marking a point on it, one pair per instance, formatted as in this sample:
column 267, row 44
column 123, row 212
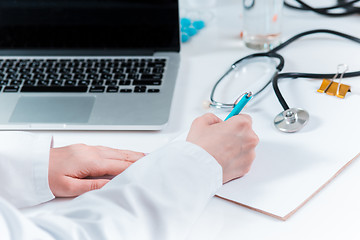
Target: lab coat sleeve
column 24, row 160
column 157, row 198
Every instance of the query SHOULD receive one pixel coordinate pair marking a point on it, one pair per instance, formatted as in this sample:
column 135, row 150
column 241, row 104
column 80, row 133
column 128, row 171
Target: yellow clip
column 333, row 88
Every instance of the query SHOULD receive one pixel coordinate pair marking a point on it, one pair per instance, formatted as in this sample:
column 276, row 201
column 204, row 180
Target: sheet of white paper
column 289, row 168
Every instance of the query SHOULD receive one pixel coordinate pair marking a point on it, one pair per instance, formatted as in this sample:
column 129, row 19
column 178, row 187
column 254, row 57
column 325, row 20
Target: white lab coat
column 158, row 197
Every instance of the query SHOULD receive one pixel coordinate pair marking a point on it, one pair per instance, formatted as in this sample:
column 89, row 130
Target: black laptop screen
column 89, row 24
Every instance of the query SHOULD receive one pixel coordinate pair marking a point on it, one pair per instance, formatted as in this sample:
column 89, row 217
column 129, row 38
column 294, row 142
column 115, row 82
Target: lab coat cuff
column 41, row 157
column 203, row 160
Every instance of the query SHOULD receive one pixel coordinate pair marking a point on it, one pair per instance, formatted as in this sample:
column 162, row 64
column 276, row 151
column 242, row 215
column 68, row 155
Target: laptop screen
column 89, row 24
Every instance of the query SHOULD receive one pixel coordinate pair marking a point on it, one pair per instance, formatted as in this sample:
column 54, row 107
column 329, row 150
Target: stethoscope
column 291, row 119
column 345, row 7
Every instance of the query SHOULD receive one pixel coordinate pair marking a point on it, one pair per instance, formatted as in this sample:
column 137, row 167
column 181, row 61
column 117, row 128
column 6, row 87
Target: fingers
column 241, row 118
column 74, row 187
column 207, row 119
column 111, row 153
column 111, row 167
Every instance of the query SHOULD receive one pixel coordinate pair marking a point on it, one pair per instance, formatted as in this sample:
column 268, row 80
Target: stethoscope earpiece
column 291, row 120
column 206, row 104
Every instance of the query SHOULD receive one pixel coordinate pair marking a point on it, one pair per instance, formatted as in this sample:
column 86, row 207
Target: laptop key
column 54, row 89
column 158, row 70
column 133, row 76
column 153, row 90
column 131, row 70
column 124, row 82
column 120, row 76
column 84, row 83
column 25, row 70
column 113, row 65
column 25, row 76
column 151, row 76
column 147, row 82
column 65, row 71
column 92, row 71
column 142, row 64
column 39, row 76
column 111, row 82
column 51, row 70
column 11, row 70
column 43, row 83
column 156, row 64
column 105, row 71
column 66, row 76
column 106, row 76
column 140, row 89
column 118, row 70
column 11, row 89
column 29, row 82
column 97, row 89
column 79, row 76
column 4, row 82
column 70, row 83
column 126, row 90
column 92, row 77
column 98, row 83
column 160, row 60
column 145, row 70
column 38, row 70
column 56, row 83
column 112, row 89
column 78, row 70
column 34, row 64
column 52, row 76
column 11, row 76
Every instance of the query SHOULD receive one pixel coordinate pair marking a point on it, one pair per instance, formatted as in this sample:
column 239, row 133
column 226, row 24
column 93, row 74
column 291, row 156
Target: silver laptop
column 87, row 64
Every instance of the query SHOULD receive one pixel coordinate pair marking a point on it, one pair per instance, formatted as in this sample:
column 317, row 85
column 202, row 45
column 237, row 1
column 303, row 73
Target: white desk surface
column 331, row 214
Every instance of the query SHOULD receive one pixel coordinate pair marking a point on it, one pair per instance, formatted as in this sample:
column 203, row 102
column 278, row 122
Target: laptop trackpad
column 53, row 109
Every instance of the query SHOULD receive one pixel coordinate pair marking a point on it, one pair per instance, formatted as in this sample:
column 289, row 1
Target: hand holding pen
column 232, row 143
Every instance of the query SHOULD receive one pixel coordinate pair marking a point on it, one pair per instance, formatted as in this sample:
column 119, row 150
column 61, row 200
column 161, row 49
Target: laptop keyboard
column 94, row 75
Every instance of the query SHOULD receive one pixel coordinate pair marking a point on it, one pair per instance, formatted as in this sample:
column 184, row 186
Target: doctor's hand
column 232, row 143
column 70, row 165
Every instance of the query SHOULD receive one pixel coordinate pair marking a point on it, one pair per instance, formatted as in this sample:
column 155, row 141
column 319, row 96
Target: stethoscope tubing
column 295, row 75
column 348, row 6
column 279, row 67
column 278, row 75
column 300, row 35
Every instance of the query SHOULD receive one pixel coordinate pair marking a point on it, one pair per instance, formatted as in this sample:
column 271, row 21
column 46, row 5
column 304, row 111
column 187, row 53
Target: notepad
column 290, row 168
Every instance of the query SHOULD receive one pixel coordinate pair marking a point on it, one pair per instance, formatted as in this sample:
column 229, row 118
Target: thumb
column 80, row 186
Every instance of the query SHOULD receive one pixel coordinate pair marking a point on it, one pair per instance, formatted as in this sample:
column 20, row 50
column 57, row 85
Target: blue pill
column 199, row 24
column 184, row 37
column 191, row 31
column 185, row 22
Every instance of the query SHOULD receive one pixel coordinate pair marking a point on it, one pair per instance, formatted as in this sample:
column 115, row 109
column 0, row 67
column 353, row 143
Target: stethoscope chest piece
column 291, row 120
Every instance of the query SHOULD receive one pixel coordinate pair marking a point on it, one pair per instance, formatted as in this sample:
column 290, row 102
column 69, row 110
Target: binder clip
column 333, row 88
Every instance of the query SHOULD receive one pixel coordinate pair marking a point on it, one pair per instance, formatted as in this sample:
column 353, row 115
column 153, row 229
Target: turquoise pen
column 244, row 99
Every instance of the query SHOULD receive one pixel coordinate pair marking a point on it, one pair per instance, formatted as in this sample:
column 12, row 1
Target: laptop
column 87, row 64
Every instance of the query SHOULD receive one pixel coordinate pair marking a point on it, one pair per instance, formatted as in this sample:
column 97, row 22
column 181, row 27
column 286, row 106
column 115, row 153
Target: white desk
column 334, row 212
column 331, row 214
